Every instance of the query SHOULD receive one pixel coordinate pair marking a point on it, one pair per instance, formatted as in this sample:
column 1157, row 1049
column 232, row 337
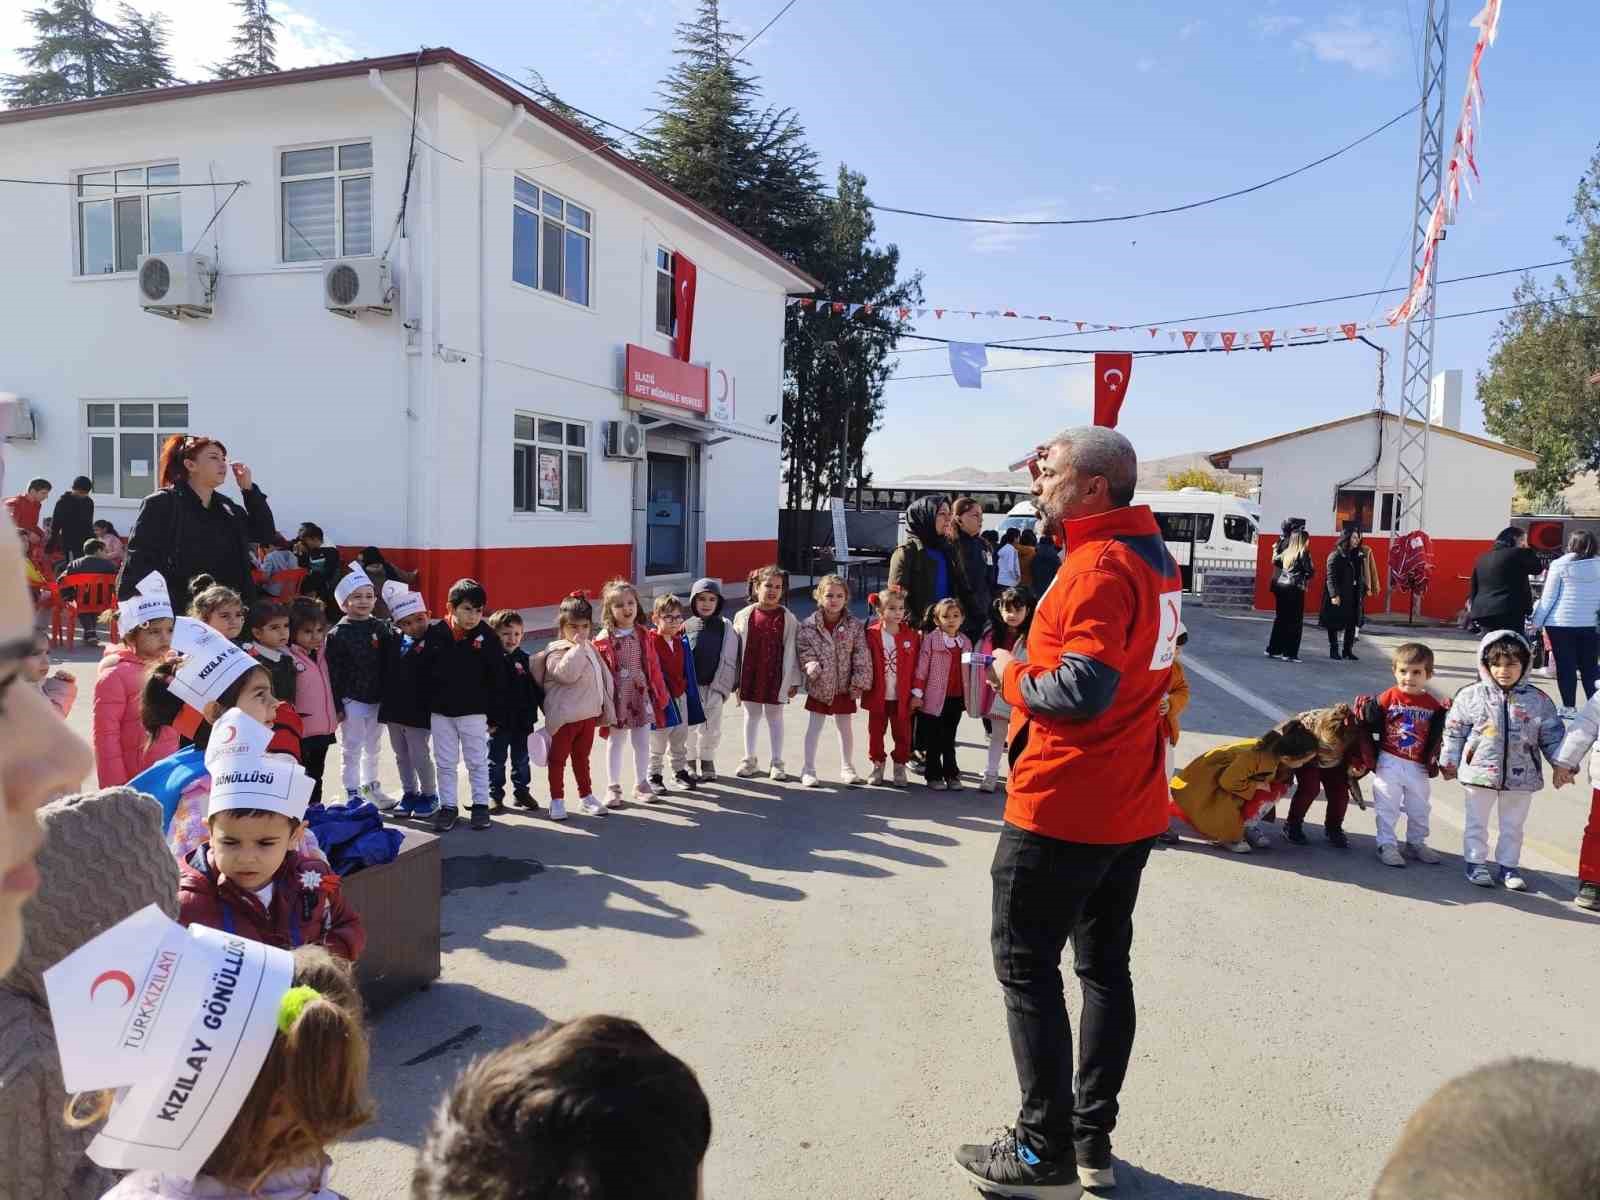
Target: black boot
column 1294, row 832
column 1337, row 839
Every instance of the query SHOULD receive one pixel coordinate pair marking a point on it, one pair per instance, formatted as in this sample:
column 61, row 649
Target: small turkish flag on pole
column 1111, row 372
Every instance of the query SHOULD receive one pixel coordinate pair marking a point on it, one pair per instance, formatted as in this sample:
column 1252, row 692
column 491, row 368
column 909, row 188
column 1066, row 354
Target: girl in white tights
column 769, row 675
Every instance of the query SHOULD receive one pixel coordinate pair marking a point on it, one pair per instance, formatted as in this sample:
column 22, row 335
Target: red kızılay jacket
column 302, row 913
column 1086, row 706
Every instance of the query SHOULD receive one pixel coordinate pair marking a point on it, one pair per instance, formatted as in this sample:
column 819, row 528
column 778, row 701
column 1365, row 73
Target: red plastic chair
column 287, row 582
column 91, row 595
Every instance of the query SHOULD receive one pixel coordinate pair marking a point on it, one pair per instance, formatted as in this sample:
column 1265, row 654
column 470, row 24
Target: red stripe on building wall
column 1453, row 561
column 732, row 562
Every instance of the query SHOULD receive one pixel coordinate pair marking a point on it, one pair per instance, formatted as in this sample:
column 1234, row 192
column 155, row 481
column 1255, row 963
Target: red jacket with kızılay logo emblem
column 1086, row 706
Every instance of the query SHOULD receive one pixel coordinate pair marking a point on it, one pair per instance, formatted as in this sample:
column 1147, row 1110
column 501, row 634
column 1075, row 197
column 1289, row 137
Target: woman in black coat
column 1292, row 572
column 189, row 527
column 925, row 566
column 1344, row 592
column 1501, row 596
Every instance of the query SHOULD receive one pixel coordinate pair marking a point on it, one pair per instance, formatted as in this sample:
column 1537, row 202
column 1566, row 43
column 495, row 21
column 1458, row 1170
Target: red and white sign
column 659, row 379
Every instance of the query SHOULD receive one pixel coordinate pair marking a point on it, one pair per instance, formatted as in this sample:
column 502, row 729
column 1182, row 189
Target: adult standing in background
column 1027, row 547
column 1344, row 592
column 1087, row 796
column 1371, row 585
column 1568, row 610
column 1046, row 562
column 25, row 508
column 72, row 523
column 40, row 758
column 1008, row 565
column 1292, row 572
column 189, row 527
column 975, row 565
column 922, row 566
column 1501, row 596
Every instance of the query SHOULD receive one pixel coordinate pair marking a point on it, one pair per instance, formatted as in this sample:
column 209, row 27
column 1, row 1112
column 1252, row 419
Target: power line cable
column 215, row 215
column 751, row 41
column 1244, row 312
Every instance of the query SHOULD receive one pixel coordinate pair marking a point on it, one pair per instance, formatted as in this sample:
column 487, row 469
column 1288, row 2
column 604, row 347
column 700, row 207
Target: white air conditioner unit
column 177, row 285
column 623, row 439
column 16, row 419
column 355, row 285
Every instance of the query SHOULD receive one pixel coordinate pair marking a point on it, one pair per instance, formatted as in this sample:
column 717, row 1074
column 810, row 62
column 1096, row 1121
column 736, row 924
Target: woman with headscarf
column 1344, row 593
column 189, row 527
column 924, row 566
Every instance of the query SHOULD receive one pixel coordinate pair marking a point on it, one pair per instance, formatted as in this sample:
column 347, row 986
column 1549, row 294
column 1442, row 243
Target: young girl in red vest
column 1009, row 621
column 893, row 646
column 832, row 648
column 641, row 692
column 938, row 692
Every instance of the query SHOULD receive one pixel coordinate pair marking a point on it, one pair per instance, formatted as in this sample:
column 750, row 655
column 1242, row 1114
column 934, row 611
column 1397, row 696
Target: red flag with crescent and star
column 1111, row 372
column 683, row 281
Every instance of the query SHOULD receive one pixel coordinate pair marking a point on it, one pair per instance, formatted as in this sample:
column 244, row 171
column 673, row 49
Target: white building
column 1344, row 470
column 465, row 431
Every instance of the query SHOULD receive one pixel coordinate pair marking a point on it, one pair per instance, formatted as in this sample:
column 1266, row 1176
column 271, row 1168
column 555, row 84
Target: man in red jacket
column 1086, row 798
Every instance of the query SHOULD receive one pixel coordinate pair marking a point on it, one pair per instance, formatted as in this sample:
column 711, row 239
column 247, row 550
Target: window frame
column 1384, row 502
column 669, row 275
column 541, row 218
column 157, row 430
column 111, row 197
column 523, row 447
column 340, row 176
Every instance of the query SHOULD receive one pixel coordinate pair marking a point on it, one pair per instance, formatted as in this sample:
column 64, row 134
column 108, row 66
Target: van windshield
column 1184, row 527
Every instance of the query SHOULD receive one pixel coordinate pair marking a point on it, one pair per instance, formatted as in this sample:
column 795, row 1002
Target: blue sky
column 1048, row 109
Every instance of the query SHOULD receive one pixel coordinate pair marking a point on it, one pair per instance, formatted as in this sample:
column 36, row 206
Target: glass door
column 666, row 515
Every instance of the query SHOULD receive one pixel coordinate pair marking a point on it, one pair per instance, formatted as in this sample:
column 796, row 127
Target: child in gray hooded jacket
column 1494, row 733
column 715, row 646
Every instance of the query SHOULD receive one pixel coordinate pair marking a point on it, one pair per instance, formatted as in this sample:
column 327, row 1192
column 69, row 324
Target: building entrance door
column 666, row 515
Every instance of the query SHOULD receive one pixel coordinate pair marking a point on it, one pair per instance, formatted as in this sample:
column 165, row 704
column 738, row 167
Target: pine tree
column 147, row 62
column 715, row 144
column 561, row 108
column 255, row 43
column 75, row 56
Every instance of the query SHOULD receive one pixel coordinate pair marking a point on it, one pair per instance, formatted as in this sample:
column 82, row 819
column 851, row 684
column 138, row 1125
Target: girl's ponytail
column 1290, row 739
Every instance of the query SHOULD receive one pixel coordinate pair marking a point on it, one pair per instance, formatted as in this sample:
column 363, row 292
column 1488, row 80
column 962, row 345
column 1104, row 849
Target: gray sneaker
column 1479, row 875
column 1258, row 837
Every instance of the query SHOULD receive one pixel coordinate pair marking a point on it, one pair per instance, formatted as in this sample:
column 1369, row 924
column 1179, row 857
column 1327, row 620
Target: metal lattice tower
column 1410, row 478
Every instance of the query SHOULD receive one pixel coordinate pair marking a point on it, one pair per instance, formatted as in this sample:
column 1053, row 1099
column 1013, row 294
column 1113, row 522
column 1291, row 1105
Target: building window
column 125, row 213
column 550, row 242
column 125, row 439
column 666, row 294
column 325, row 193
column 1357, row 504
column 550, row 464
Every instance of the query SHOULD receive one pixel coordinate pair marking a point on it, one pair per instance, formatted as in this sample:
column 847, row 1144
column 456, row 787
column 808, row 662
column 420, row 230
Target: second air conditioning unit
column 355, row 285
column 623, row 439
column 177, row 285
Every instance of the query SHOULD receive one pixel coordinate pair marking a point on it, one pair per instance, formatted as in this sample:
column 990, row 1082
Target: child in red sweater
column 683, row 693
column 251, row 878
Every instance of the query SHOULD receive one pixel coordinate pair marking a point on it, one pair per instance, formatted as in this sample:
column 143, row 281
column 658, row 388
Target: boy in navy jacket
column 509, row 730
column 464, row 679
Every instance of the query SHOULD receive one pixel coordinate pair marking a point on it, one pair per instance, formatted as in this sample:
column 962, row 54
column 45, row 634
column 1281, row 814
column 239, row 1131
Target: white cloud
column 1190, row 28
column 1273, row 24
column 200, row 34
column 1145, row 65
column 1348, row 38
column 1003, row 239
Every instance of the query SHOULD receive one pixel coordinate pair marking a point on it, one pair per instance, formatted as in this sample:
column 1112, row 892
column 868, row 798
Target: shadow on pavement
column 1133, row 1181
column 1445, row 884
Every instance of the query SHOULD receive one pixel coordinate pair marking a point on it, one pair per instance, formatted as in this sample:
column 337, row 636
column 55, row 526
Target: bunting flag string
column 1265, row 338
column 1460, row 162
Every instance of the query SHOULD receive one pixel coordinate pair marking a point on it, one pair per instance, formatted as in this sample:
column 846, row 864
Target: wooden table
column 399, row 905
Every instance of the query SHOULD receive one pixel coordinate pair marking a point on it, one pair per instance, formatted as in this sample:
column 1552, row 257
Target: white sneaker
column 778, row 774
column 590, row 807
column 1258, row 837
column 558, row 809
column 1422, row 852
column 1512, row 880
column 645, row 794
column 1097, row 1178
column 937, row 785
column 376, row 794
column 1239, row 847
column 1568, row 715
column 807, row 779
column 747, row 769
column 614, row 796
column 987, row 785
column 900, row 775
column 851, row 779
column 1390, row 856
column 539, row 748
column 875, row 777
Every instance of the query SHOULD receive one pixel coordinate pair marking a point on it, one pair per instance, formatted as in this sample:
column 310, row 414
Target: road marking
column 1539, row 855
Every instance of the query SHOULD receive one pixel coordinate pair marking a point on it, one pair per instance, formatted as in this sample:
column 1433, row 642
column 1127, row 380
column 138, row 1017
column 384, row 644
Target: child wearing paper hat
column 248, row 1061
column 404, row 710
column 356, row 649
column 250, row 877
column 121, row 749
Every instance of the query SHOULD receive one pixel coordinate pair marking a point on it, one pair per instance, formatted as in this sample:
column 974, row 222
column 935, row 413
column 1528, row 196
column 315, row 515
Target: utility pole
column 1410, row 477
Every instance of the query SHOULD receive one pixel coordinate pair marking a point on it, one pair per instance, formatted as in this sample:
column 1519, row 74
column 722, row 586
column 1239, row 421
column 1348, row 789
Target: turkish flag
column 683, row 281
column 1111, row 372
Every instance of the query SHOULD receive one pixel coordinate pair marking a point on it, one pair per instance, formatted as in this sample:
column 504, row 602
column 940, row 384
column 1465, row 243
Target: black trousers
column 1290, row 623
column 1349, row 639
column 1502, row 622
column 1048, row 892
column 314, row 757
column 940, row 731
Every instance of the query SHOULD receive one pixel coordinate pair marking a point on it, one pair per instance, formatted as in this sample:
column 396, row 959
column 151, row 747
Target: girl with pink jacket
column 121, row 747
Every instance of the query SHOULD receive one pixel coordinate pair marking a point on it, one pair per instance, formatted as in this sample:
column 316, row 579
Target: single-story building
column 430, row 314
column 1344, row 471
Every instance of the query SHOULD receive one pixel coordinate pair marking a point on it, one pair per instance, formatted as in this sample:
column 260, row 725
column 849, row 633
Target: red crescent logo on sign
column 121, row 977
